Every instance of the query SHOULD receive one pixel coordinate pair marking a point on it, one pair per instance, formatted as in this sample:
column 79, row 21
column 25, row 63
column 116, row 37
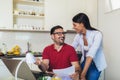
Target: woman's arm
column 85, row 69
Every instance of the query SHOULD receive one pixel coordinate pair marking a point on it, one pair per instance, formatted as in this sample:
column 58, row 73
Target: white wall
column 6, row 19
column 109, row 24
column 61, row 12
column 38, row 40
column 55, row 13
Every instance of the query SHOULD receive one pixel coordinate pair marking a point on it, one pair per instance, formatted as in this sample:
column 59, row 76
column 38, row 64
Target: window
column 115, row 4
column 111, row 5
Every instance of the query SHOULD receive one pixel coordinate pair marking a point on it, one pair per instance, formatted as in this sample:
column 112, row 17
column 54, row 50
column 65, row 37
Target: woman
column 90, row 41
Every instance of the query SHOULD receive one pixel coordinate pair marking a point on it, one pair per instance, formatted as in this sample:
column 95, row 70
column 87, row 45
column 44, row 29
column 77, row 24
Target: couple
column 60, row 55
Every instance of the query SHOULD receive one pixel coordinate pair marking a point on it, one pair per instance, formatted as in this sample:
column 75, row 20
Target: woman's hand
column 82, row 77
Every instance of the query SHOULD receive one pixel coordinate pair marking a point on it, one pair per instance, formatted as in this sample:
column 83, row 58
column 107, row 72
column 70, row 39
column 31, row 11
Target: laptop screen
column 24, row 71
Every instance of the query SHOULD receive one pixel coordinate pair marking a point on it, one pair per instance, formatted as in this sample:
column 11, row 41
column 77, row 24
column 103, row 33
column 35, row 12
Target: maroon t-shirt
column 61, row 59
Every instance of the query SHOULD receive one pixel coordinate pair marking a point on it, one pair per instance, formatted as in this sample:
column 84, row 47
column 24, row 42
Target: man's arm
column 77, row 73
column 43, row 66
column 77, row 66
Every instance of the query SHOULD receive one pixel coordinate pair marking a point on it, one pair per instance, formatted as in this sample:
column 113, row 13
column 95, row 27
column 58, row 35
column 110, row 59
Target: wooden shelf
column 28, row 16
column 37, row 3
column 71, row 31
column 17, row 30
column 40, row 31
column 28, row 10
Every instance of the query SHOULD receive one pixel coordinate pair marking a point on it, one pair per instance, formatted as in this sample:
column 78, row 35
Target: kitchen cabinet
column 28, row 14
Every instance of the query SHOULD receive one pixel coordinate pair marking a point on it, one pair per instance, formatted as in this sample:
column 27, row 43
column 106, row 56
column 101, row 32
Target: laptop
column 24, row 71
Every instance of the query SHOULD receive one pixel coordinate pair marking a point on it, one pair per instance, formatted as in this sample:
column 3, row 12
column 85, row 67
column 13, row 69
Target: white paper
column 64, row 72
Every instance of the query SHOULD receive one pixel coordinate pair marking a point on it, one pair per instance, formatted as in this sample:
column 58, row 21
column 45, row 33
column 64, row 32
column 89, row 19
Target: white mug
column 30, row 58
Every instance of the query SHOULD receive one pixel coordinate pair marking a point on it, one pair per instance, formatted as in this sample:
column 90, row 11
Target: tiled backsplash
column 37, row 40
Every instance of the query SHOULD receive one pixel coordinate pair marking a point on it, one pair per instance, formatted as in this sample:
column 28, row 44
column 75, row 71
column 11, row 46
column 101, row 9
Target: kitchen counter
column 36, row 55
column 19, row 56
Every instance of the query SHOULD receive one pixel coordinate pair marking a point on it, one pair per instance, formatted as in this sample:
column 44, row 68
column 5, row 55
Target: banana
column 15, row 50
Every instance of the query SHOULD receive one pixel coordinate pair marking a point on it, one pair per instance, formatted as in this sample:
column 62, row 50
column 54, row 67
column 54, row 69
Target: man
column 59, row 55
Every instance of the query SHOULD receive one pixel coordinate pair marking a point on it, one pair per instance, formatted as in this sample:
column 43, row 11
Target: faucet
column 28, row 47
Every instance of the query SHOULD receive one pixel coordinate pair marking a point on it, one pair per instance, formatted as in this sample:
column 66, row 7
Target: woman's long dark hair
column 83, row 18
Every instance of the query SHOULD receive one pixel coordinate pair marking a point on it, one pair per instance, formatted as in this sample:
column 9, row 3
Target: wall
column 6, row 13
column 37, row 40
column 62, row 11
column 109, row 24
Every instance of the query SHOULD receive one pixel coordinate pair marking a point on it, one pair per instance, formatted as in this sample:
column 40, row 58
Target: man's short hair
column 54, row 28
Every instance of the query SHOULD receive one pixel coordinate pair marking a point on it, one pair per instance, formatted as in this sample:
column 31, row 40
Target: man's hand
column 38, row 61
column 75, row 76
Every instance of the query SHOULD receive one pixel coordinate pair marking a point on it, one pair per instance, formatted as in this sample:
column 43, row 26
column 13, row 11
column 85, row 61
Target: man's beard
column 61, row 41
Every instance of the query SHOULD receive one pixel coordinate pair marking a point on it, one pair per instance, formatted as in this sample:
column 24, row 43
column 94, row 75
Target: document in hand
column 64, row 72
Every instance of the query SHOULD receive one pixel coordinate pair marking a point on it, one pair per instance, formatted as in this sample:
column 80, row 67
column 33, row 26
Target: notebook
column 24, row 71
